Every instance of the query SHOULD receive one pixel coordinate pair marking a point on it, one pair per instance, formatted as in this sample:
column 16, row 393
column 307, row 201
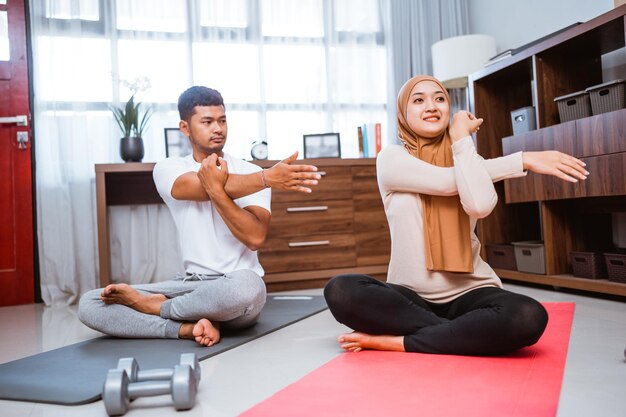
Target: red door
column 17, row 279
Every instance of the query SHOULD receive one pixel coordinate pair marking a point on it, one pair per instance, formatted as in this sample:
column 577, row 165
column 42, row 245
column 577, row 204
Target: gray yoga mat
column 75, row 374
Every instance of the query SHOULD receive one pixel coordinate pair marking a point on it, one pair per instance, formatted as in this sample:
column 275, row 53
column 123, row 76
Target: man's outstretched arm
column 283, row 176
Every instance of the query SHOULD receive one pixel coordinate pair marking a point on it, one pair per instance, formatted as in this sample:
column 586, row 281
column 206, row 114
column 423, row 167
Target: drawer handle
column 301, row 209
column 312, row 243
column 322, row 173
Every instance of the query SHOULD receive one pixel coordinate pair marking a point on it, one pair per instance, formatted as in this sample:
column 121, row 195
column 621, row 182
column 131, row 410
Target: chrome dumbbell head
column 192, row 360
column 131, row 367
column 115, row 393
column 184, row 388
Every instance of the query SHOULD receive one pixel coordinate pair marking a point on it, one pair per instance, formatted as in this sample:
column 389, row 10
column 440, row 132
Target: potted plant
column 132, row 119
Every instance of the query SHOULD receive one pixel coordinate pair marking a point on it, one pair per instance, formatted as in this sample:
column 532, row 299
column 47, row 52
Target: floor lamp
column 456, row 58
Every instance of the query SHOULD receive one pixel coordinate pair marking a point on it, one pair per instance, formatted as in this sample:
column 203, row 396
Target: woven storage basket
column 573, row 106
column 588, row 265
column 616, row 266
column 607, row 97
column 501, row 256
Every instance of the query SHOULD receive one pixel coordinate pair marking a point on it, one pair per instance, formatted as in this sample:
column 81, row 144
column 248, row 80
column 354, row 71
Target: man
column 221, row 207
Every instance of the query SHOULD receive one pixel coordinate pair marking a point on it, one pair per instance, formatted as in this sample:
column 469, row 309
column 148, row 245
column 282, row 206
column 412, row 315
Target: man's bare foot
column 357, row 341
column 126, row 295
column 204, row 332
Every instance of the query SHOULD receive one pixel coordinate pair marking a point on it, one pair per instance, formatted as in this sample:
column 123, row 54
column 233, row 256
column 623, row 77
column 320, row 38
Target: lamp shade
column 456, row 58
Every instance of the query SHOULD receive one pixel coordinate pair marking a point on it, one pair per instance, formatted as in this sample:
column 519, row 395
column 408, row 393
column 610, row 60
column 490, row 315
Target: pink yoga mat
column 370, row 383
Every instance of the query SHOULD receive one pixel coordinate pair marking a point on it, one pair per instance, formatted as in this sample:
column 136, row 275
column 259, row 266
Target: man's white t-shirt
column 207, row 245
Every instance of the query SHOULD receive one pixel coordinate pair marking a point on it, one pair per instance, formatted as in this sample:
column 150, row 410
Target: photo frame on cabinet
column 176, row 143
column 322, row 145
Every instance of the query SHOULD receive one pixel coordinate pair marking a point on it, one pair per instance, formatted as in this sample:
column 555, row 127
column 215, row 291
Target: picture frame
column 322, row 145
column 176, row 143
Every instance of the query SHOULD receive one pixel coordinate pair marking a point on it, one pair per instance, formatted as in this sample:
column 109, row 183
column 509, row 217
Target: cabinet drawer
column 373, row 241
column 299, row 218
column 607, row 177
column 336, row 184
column 308, row 253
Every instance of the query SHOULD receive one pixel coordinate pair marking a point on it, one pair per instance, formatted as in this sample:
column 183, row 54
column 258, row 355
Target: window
column 285, row 68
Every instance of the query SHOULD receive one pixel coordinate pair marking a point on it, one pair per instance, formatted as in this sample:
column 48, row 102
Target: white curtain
column 284, row 67
column 415, row 26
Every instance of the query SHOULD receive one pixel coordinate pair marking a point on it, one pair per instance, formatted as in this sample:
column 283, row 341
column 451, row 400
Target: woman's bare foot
column 204, row 332
column 126, row 295
column 357, row 341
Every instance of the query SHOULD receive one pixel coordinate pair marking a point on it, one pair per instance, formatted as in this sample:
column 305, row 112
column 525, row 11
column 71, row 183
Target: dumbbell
column 118, row 390
column 131, row 367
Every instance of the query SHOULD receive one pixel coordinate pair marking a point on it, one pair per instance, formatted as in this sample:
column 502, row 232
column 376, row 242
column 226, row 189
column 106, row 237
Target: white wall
column 517, row 22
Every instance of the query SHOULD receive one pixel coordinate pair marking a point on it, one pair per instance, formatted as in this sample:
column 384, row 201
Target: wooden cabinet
column 600, row 141
column 338, row 228
column 567, row 217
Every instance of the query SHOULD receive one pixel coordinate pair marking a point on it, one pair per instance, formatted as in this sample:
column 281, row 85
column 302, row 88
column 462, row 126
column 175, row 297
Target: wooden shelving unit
column 567, row 217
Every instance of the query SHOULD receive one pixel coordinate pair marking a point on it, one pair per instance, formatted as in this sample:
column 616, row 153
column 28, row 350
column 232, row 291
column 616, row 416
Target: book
column 379, row 138
column 365, row 142
column 360, row 136
column 371, row 140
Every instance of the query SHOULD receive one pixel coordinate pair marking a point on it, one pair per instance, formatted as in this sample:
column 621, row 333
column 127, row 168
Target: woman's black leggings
column 485, row 321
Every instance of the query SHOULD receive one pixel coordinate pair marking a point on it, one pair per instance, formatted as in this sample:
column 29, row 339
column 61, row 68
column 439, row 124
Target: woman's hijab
column 446, row 225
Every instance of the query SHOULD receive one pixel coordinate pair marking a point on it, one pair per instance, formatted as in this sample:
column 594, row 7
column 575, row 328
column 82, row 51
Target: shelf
column 603, row 286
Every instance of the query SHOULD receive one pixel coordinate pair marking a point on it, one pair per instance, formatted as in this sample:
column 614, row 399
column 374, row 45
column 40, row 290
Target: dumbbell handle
column 149, row 388
column 155, row 374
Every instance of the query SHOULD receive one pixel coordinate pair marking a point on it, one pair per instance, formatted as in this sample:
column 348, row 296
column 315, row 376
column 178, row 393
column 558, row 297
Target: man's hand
column 213, row 174
column 555, row 163
column 464, row 124
column 285, row 176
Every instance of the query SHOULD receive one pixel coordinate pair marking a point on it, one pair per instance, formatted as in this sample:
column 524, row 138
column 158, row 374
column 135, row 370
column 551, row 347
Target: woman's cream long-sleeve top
column 401, row 180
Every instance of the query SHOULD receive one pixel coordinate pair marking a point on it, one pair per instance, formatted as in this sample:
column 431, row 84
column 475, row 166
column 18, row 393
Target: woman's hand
column 464, row 124
column 555, row 163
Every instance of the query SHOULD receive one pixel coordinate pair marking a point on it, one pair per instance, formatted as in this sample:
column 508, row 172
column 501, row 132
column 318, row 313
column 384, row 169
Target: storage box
column 523, row 120
column 501, row 256
column 588, row 265
column 529, row 257
column 607, row 97
column 616, row 266
column 573, row 106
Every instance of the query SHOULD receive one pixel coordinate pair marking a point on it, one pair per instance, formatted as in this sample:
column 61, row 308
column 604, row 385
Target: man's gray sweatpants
column 235, row 300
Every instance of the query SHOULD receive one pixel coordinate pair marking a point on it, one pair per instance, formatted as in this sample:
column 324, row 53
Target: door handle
column 20, row 120
column 312, row 243
column 311, row 208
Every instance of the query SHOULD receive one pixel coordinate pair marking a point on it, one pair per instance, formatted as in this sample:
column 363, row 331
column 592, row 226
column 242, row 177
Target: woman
column 440, row 296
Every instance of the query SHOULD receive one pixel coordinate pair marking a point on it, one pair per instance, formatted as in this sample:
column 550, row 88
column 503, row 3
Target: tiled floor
column 594, row 382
